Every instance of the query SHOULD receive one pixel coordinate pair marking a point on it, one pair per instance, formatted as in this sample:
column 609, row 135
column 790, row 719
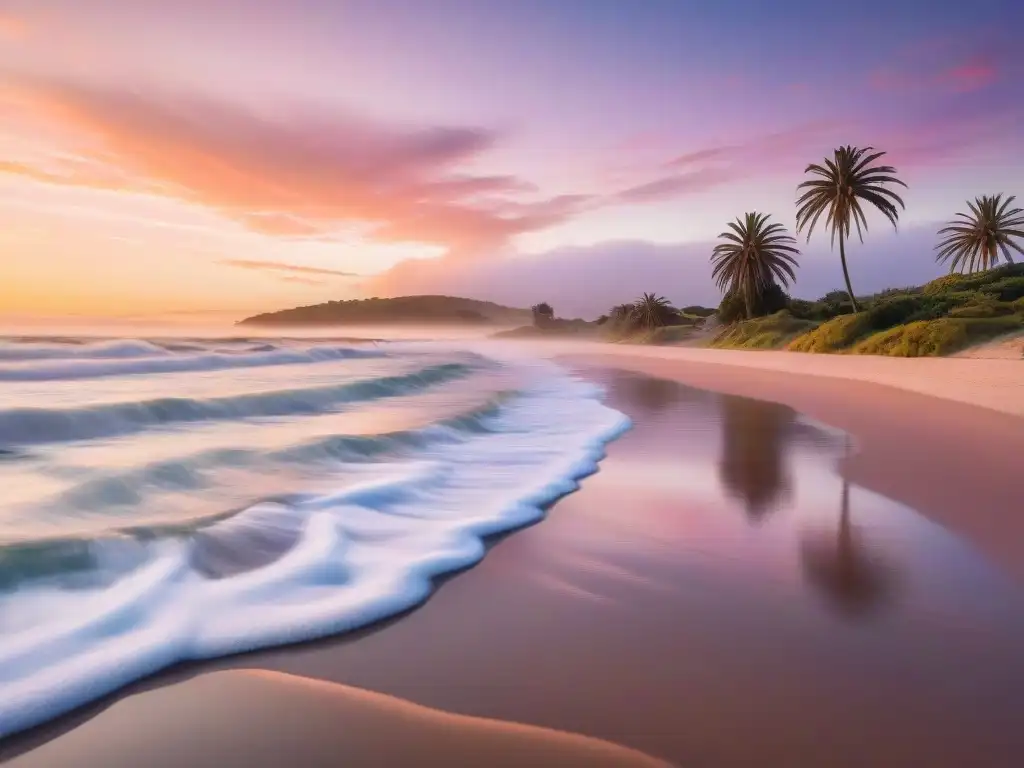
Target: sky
column 199, row 158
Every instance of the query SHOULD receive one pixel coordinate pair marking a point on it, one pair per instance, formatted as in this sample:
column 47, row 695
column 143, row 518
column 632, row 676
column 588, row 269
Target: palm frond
column 753, row 255
column 652, row 311
column 975, row 241
column 845, row 179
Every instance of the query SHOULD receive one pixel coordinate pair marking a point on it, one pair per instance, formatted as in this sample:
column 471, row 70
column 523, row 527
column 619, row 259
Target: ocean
column 168, row 500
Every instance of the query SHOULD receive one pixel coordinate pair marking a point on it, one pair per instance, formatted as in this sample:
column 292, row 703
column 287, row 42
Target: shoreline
column 993, row 383
column 407, row 656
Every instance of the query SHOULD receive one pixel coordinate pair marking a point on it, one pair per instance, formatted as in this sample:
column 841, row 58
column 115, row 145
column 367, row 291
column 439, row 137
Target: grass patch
column 770, row 332
column 936, row 337
column 835, row 335
column 669, row 334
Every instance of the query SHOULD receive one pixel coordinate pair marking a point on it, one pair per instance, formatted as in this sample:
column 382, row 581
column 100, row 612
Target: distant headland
column 403, row 310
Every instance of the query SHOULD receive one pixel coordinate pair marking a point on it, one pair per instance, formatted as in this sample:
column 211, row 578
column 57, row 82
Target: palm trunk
column 748, row 301
column 846, row 272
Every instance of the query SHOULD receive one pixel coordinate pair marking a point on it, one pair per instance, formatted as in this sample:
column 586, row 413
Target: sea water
column 176, row 499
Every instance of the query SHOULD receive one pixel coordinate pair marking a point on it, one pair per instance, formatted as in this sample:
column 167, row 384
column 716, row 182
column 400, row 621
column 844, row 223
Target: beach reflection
column 753, row 466
column 695, row 458
column 853, row 580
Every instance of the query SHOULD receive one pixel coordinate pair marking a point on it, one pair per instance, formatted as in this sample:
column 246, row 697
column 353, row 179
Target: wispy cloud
column 971, row 75
column 951, row 65
column 280, row 266
column 295, row 176
column 700, row 170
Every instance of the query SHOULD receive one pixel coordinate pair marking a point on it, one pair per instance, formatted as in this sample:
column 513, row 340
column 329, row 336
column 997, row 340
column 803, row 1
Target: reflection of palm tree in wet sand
column 853, row 581
column 752, row 466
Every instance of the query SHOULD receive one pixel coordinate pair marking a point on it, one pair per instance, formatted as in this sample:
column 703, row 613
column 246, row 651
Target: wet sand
column 265, row 719
column 958, row 463
column 715, row 596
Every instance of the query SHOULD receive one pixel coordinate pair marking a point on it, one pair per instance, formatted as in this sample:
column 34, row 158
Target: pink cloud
column 669, row 187
column 297, row 175
column 972, row 75
column 704, row 169
column 927, row 67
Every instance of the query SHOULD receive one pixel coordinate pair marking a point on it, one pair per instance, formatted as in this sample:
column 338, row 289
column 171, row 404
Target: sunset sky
column 186, row 156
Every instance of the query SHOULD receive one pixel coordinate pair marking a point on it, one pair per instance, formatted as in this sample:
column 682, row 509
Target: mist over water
column 182, row 497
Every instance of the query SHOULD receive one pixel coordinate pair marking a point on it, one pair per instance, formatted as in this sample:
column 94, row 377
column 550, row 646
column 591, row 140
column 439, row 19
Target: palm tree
column 621, row 313
column 755, row 255
column 652, row 311
column 843, row 182
column 975, row 240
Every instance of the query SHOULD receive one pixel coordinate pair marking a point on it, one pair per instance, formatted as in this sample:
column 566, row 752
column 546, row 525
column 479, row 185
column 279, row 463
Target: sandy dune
column 1004, row 348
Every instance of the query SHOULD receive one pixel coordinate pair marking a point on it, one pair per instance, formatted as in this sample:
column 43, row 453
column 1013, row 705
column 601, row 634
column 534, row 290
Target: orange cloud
column 305, row 174
column 280, row 266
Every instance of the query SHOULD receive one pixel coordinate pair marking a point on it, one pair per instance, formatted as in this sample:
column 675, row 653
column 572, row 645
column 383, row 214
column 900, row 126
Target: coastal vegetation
column 937, row 318
column 754, row 264
column 980, row 302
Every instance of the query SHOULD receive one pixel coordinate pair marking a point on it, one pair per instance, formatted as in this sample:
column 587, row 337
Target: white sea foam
column 361, row 555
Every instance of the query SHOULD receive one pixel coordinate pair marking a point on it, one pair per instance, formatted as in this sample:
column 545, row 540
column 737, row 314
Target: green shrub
column 894, row 310
column 984, row 309
column 734, row 308
column 945, row 284
column 805, row 310
column 966, row 298
column 817, row 310
column 935, row 337
column 834, row 297
column 910, row 290
column 976, row 281
column 835, row 335
column 1006, row 289
column 669, row 334
column 698, row 311
column 770, row 332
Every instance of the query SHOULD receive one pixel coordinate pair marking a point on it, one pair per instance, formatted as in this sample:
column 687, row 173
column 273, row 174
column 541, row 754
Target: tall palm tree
column 847, row 178
column 651, row 311
column 755, row 254
column 975, row 240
